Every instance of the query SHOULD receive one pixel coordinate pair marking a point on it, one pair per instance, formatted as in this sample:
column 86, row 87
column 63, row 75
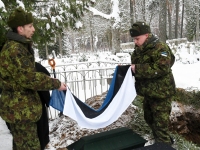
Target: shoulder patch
column 164, row 54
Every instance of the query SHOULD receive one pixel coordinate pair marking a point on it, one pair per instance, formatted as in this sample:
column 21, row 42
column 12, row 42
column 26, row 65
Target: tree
column 51, row 17
column 177, row 19
column 182, row 17
column 191, row 18
column 169, row 12
column 132, row 3
column 114, row 17
column 162, row 20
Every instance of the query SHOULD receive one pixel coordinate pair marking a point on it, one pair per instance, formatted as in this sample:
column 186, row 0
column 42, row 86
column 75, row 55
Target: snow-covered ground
column 187, row 76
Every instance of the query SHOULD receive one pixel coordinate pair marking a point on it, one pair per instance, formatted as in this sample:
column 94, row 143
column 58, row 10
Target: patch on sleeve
column 26, row 62
column 164, row 54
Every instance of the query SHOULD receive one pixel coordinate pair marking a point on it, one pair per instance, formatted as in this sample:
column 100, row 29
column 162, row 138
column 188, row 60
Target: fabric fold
column 120, row 95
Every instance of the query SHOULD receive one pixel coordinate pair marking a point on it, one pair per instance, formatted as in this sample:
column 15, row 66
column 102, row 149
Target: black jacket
column 43, row 123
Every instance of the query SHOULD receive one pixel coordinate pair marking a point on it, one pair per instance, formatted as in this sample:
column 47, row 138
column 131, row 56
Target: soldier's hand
column 63, row 87
column 133, row 67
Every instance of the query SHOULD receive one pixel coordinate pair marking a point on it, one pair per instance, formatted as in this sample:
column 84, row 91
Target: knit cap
column 139, row 28
column 19, row 18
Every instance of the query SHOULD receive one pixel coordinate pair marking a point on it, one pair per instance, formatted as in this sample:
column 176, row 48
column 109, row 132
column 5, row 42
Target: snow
column 115, row 14
column 5, row 137
column 78, row 24
column 186, row 76
column 20, row 3
column 2, row 6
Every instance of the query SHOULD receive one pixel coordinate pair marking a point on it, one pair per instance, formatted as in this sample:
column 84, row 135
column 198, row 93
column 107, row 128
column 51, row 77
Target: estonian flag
column 120, row 95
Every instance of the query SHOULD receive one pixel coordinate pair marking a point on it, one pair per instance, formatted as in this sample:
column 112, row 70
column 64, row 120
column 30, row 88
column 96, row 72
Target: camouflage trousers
column 156, row 115
column 25, row 136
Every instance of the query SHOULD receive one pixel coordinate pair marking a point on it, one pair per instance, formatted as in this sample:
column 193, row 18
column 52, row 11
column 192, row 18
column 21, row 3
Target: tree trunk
column 47, row 54
column 143, row 11
column 109, row 39
column 72, row 41
column 162, row 21
column 60, row 44
column 91, row 35
column 131, row 11
column 183, row 7
column 115, row 40
column 176, row 21
column 169, row 20
column 134, row 10
column 197, row 27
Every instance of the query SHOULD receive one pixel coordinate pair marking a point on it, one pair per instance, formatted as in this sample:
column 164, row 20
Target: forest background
column 74, row 26
column 87, row 26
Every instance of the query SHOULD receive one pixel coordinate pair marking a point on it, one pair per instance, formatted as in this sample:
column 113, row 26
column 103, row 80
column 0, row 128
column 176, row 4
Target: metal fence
column 85, row 79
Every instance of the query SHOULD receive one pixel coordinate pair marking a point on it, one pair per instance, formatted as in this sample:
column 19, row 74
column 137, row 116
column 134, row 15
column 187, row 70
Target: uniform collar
column 16, row 37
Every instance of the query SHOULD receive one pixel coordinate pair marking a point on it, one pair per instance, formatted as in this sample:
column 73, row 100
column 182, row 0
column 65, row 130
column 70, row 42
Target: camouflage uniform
column 155, row 82
column 20, row 103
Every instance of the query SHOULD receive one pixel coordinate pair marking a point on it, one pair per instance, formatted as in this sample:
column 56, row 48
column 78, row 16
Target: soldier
column 151, row 61
column 20, row 104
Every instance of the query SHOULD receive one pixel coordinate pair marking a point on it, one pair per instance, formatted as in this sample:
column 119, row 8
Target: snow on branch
column 114, row 14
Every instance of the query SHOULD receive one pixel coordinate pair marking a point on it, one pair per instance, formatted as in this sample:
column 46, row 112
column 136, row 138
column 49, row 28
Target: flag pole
column 52, row 63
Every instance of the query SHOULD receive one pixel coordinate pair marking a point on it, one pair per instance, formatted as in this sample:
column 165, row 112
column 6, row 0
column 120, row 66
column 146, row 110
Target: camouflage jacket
column 153, row 74
column 20, row 82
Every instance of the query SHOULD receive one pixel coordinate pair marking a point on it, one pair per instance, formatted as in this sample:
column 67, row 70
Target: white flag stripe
column 119, row 104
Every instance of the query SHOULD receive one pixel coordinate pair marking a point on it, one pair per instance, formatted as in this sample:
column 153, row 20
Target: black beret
column 139, row 28
column 19, row 18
